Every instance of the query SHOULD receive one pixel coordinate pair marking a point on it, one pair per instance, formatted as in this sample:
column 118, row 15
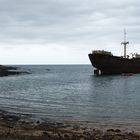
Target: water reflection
column 73, row 93
column 115, row 98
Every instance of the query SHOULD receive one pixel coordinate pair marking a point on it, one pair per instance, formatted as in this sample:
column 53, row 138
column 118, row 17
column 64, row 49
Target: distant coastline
column 10, row 70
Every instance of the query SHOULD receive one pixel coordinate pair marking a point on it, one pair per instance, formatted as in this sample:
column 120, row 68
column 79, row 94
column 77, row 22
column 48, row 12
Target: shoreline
column 19, row 127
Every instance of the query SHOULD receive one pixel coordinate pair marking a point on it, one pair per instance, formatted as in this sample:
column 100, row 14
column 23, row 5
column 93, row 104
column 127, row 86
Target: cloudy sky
column 65, row 31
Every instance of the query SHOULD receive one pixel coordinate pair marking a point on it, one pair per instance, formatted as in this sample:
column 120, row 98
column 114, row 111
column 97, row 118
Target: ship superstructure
column 105, row 63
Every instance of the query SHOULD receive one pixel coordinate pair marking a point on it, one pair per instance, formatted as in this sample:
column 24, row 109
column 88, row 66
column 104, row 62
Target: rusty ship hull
column 109, row 64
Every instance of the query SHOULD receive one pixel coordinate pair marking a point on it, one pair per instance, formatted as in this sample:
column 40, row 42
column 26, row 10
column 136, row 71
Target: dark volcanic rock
column 14, row 127
column 9, row 70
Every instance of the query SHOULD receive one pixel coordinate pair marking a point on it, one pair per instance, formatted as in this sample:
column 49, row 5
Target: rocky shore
column 21, row 127
column 16, row 127
column 9, row 70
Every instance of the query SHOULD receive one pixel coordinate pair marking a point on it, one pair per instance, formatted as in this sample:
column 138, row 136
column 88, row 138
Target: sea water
column 73, row 93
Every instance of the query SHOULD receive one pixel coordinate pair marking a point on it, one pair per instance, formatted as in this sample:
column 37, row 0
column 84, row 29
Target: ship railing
column 135, row 55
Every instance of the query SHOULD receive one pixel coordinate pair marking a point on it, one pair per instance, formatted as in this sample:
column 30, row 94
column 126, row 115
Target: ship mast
column 125, row 43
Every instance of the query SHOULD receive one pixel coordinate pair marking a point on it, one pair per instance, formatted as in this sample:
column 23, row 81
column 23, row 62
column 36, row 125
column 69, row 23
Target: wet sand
column 18, row 127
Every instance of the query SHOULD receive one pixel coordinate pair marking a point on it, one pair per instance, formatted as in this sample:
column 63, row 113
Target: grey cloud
column 67, row 20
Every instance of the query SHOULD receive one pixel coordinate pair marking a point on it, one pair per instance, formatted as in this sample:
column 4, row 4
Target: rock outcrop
column 9, row 70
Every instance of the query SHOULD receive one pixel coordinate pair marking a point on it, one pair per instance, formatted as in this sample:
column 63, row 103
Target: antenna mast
column 125, row 43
